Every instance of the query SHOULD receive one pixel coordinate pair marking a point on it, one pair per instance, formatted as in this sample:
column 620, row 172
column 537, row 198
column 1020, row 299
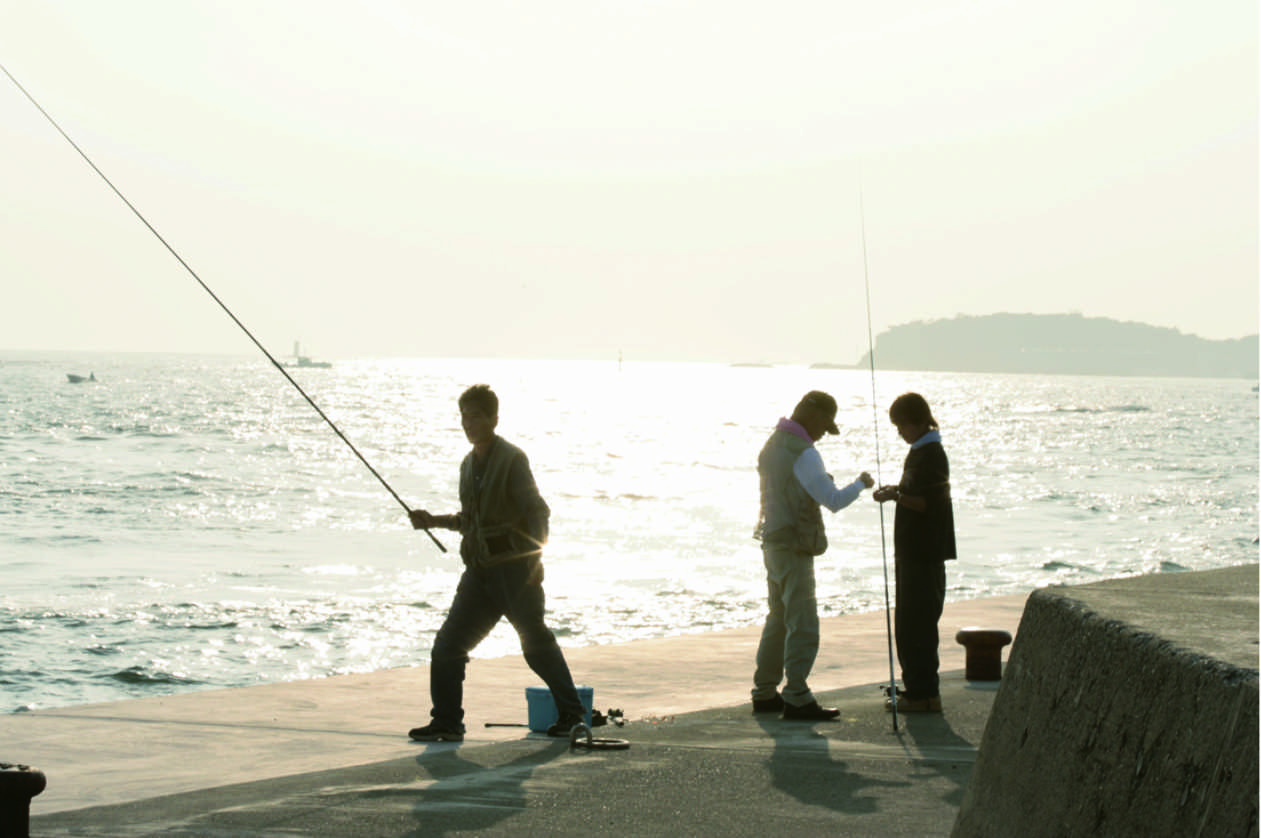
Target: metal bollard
column 984, row 652
column 18, row 784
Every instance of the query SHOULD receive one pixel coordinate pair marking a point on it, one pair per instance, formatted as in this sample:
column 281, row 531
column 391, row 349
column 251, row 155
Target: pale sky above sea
column 579, row 178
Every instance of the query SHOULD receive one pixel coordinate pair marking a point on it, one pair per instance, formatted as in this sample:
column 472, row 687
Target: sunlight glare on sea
column 191, row 522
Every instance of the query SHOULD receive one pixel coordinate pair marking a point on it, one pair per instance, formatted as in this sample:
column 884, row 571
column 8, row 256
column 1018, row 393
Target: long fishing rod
column 884, row 554
column 215, row 297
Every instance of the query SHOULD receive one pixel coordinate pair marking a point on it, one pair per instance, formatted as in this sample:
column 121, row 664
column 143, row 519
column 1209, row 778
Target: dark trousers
column 514, row 590
column 920, row 595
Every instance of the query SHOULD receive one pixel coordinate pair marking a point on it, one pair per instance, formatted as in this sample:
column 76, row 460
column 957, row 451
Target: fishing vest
column 790, row 517
column 497, row 524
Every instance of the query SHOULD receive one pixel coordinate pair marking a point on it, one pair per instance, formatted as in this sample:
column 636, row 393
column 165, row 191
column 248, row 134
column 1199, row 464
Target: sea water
column 191, row 522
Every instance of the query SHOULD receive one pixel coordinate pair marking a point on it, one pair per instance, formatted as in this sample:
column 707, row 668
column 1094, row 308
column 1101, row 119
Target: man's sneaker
column 914, row 705
column 565, row 723
column 811, row 712
column 768, row 705
column 433, row 732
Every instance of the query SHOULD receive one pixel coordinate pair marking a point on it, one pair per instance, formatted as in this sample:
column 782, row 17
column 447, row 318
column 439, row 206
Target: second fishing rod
column 884, row 550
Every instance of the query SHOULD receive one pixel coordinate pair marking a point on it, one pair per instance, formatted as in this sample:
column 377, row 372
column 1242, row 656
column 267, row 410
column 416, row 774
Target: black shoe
column 811, row 712
column 931, row 704
column 566, row 723
column 768, row 705
column 434, row 732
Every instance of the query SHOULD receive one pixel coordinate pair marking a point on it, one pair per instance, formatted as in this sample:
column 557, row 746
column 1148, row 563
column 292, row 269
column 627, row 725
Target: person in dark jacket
column 923, row 541
column 503, row 524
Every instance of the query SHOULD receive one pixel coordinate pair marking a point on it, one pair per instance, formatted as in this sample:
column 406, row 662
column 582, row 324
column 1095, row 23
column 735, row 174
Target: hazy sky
column 571, row 178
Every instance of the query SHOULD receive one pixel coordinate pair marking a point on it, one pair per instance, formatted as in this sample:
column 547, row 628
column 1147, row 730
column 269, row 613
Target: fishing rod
column 875, row 410
column 215, row 297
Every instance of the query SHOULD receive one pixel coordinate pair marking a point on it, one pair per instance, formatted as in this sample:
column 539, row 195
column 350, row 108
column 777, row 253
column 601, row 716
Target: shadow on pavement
column 802, row 765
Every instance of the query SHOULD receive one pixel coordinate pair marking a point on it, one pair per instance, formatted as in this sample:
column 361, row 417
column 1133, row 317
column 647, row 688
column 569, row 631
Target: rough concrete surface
column 331, row 758
column 1127, row 708
column 722, row 772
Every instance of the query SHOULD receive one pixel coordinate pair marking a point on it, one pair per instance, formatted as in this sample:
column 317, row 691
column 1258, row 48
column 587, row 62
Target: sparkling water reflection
column 191, row 523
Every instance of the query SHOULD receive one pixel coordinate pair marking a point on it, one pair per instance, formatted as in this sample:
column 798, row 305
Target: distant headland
column 1067, row 344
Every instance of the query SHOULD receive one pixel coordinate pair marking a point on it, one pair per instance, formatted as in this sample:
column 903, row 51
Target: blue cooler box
column 542, row 709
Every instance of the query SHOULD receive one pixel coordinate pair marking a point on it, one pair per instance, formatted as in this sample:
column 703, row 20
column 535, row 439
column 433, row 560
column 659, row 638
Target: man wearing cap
column 795, row 485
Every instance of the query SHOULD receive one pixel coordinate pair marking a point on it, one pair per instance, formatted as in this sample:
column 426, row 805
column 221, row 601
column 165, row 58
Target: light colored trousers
column 790, row 638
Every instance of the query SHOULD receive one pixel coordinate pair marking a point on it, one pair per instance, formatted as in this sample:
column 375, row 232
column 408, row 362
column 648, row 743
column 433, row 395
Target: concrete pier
column 331, row 757
column 1127, row 708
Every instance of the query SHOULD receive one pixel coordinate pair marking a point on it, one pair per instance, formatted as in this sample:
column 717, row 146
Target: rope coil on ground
column 580, row 737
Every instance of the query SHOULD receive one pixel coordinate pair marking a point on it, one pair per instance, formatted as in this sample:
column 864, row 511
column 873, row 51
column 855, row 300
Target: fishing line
column 875, row 410
column 215, row 297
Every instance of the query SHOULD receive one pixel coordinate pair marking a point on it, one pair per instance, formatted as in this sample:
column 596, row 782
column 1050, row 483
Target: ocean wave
column 194, row 476
column 210, row 626
column 58, row 540
column 1121, row 408
column 140, row 675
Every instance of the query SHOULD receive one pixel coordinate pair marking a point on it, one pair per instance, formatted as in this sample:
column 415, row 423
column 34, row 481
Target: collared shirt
column 932, row 436
column 813, row 476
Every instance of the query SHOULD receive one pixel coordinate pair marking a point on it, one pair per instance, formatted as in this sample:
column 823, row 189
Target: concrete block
column 1099, row 728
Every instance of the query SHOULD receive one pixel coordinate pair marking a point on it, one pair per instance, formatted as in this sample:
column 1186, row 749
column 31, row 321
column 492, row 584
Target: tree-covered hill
column 1061, row 343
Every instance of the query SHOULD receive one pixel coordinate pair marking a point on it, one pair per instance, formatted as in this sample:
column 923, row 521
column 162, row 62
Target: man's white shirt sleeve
column 814, row 479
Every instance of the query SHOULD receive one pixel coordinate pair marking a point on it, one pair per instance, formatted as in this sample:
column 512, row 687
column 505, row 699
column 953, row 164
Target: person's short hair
column 481, row 397
column 911, row 407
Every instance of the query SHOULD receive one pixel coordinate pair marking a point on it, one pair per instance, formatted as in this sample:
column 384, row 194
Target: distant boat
column 304, row 361
column 78, row 379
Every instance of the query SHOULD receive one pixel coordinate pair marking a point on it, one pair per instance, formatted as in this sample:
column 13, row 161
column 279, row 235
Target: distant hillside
column 1060, row 343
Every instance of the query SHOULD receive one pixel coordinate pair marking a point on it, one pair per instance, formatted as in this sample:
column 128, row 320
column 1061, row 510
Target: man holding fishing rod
column 790, row 526
column 503, row 523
